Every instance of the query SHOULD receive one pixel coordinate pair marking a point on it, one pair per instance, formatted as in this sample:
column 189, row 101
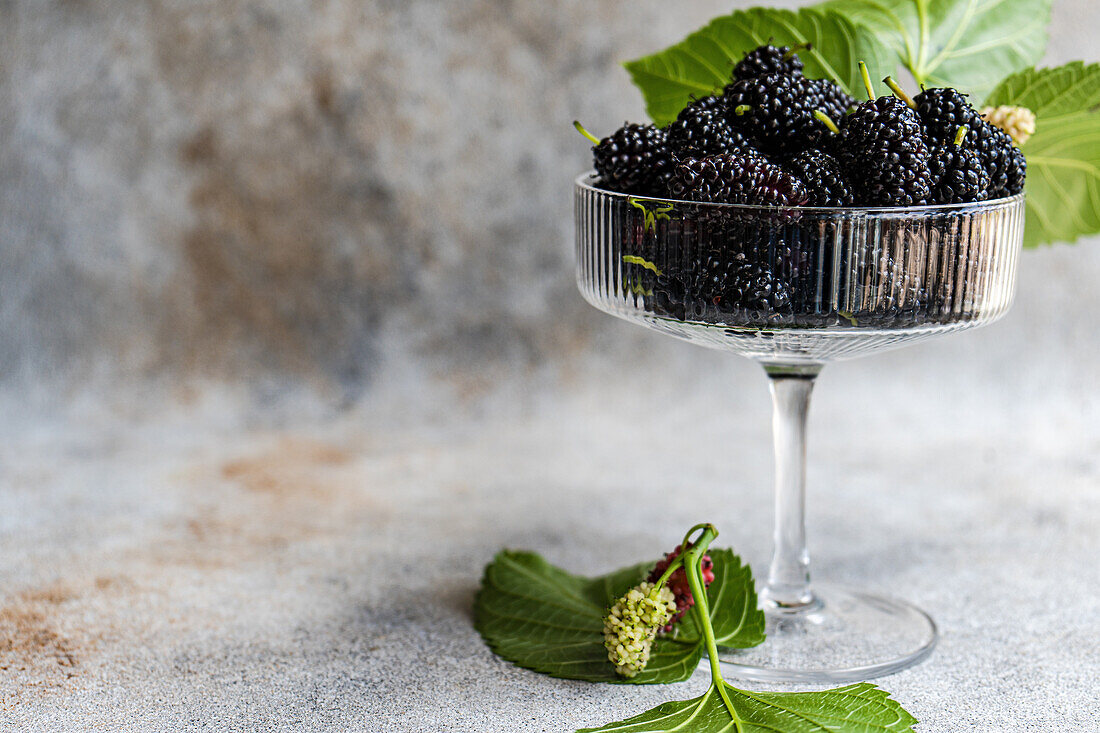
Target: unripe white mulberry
column 632, row 624
column 1018, row 122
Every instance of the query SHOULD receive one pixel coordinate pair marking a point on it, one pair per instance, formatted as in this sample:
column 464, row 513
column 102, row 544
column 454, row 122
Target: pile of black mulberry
column 774, row 137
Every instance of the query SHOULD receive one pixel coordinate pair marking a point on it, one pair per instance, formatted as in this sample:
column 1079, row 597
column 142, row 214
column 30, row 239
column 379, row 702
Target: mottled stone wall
column 311, row 193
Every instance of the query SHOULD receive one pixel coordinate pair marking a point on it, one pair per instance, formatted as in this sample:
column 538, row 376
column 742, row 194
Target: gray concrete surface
column 291, row 348
column 186, row 574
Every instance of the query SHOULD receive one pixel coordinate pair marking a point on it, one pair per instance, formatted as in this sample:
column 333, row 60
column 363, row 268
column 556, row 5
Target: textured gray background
column 291, row 347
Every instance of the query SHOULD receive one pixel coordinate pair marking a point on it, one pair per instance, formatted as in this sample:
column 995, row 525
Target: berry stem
column 899, row 92
column 580, row 128
column 678, row 562
column 684, row 543
column 867, row 80
column 741, row 109
column 635, row 260
column 795, row 49
column 826, row 120
column 672, row 568
column 960, row 135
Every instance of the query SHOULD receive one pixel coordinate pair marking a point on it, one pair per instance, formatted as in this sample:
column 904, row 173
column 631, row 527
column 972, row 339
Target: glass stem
column 788, row 586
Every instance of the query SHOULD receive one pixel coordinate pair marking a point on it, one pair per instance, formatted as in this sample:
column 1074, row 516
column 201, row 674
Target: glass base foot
column 843, row 636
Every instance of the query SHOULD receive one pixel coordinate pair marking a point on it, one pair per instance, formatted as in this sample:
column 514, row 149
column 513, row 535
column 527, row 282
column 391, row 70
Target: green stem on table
column 692, row 561
column 692, row 566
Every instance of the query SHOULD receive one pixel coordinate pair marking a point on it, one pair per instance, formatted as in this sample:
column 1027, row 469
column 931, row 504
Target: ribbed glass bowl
column 838, row 282
column 794, row 288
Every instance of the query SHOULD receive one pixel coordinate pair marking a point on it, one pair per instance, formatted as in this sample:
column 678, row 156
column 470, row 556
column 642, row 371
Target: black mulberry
column 882, row 151
column 958, row 175
column 701, row 129
column 821, row 174
column 831, row 99
column 737, row 179
column 944, row 111
column 1015, row 172
column 777, row 112
column 768, row 59
column 633, row 159
column 1002, row 160
column 725, row 284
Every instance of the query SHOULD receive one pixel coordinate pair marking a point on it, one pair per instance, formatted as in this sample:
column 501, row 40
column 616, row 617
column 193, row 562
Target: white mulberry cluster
column 1018, row 122
column 633, row 622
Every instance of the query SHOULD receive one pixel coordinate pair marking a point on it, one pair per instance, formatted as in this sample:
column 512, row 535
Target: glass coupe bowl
column 795, row 288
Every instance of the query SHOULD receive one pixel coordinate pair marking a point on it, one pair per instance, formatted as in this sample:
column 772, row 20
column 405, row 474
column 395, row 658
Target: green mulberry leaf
column 1063, row 156
column 702, row 63
column 862, row 707
column 540, row 617
column 737, row 622
column 967, row 44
